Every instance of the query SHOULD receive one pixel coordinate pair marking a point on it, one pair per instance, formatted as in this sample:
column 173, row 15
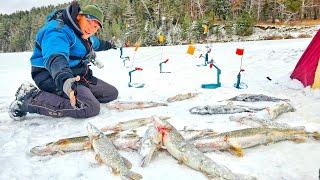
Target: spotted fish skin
column 188, row 154
column 150, row 143
column 107, row 153
column 63, row 145
column 181, row 97
column 130, row 124
column 125, row 141
column 235, row 141
column 274, row 111
column 222, row 109
column 255, row 98
column 124, row 105
column 253, row 121
column 265, row 117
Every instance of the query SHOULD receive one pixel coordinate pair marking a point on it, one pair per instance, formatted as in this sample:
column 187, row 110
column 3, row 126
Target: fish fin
column 143, row 162
column 210, row 177
column 236, row 150
column 114, row 171
column 164, row 117
column 146, row 160
column 98, row 159
column 316, row 135
column 60, row 152
column 87, row 145
column 269, row 140
column 182, row 160
column 299, row 139
column 63, row 142
column 132, row 176
column 117, row 128
column 127, row 163
column 161, row 145
column 119, row 107
column 134, row 131
column 230, row 103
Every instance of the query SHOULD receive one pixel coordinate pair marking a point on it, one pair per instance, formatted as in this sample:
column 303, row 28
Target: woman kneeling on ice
column 63, row 50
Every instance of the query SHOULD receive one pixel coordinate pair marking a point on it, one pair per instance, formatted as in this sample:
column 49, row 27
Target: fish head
column 159, row 121
column 150, row 141
column 42, row 151
column 93, row 132
column 162, row 126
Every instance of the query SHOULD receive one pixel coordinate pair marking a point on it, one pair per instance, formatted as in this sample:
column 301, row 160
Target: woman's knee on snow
column 112, row 95
column 93, row 108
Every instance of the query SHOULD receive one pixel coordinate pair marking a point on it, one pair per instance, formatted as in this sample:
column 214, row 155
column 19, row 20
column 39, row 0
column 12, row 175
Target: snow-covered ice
column 274, row 59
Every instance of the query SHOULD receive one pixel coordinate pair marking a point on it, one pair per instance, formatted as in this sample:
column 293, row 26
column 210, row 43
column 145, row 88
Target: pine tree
column 2, row 34
column 223, row 9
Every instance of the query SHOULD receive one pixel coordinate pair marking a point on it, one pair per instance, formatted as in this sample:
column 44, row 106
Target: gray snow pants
column 88, row 100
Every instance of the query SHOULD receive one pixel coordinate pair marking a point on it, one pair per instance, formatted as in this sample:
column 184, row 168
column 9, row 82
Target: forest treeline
column 179, row 21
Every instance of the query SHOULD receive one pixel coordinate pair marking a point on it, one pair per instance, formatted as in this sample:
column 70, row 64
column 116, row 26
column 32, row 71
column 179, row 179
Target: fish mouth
column 42, row 151
column 159, row 122
column 92, row 131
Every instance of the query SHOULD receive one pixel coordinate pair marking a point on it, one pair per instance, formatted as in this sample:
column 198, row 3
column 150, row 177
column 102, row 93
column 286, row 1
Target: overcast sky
column 10, row 6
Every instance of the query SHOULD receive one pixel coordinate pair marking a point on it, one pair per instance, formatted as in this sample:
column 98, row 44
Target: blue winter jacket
column 60, row 52
column 56, row 38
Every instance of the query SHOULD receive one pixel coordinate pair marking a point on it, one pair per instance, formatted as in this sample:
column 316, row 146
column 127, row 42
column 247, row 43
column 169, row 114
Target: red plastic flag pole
column 240, row 52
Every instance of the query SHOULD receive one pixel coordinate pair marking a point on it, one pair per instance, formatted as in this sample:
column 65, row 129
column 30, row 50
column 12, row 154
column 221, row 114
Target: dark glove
column 112, row 44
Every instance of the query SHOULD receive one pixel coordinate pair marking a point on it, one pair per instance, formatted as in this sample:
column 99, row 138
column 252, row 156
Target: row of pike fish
column 187, row 146
column 230, row 108
column 253, row 116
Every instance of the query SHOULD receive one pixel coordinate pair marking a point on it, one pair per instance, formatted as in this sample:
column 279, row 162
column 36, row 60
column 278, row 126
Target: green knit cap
column 94, row 11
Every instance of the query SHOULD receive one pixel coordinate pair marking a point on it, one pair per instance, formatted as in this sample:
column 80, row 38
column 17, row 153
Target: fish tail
column 316, row 135
column 236, row 150
column 144, row 161
column 132, row 176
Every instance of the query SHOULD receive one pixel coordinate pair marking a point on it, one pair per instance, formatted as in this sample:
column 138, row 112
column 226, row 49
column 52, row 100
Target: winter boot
column 18, row 108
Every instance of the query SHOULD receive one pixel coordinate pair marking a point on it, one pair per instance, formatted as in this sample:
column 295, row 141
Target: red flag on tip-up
column 239, row 51
column 138, row 69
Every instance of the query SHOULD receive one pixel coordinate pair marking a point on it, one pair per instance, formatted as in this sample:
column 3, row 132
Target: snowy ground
column 274, row 59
